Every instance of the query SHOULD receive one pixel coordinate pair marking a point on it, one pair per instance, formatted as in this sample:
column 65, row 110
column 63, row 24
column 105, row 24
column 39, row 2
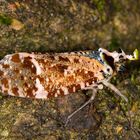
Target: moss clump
column 5, row 20
column 100, row 4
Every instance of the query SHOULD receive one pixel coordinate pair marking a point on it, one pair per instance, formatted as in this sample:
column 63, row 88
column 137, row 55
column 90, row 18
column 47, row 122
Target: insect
column 43, row 76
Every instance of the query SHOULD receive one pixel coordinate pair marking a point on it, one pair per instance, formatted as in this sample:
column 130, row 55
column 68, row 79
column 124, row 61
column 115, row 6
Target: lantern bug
column 43, row 76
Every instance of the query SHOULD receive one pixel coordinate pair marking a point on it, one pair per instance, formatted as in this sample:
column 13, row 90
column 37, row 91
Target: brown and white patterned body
column 45, row 75
column 49, row 75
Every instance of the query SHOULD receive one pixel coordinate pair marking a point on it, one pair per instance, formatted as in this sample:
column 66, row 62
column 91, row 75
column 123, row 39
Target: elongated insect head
column 115, row 60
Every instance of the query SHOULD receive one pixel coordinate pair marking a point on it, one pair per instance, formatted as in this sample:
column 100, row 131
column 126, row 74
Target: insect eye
column 108, row 70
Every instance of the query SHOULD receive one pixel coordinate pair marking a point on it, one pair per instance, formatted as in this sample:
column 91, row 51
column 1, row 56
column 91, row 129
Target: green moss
column 133, row 78
column 116, row 6
column 114, row 43
column 100, row 5
column 5, row 20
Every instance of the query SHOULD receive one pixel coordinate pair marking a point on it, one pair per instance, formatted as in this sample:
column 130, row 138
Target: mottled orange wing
column 45, row 75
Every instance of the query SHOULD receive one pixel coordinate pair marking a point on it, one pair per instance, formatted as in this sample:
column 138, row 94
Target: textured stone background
column 70, row 25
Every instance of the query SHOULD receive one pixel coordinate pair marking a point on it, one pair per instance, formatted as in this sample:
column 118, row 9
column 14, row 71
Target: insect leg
column 112, row 87
column 94, row 91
